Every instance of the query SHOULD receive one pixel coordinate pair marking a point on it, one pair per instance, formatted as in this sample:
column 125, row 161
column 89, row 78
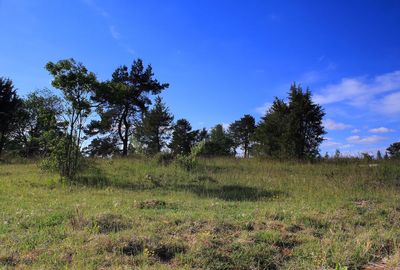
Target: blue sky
column 226, row 58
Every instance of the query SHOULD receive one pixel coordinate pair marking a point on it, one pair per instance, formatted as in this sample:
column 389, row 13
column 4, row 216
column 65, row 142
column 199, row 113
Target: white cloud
column 356, row 130
column 330, row 124
column 365, row 140
column 264, row 108
column 389, row 104
column 381, row 130
column 331, row 144
column 114, row 33
column 365, row 91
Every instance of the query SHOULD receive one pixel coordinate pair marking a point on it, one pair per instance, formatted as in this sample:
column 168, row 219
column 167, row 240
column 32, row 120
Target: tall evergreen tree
column 202, row 135
column 124, row 100
column 183, row 137
column 271, row 133
column 219, row 144
column 293, row 129
column 305, row 124
column 9, row 103
column 379, row 155
column 241, row 132
column 154, row 131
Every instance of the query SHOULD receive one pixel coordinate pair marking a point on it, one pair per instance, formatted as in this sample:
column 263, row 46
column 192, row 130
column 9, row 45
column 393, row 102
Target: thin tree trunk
column 2, row 139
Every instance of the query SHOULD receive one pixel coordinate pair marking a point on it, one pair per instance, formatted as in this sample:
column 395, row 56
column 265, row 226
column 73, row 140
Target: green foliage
column 394, row 150
column 379, row 155
column 39, row 124
column 76, row 84
column 163, row 158
column 242, row 132
column 9, row 104
column 291, row 130
column 103, row 147
column 340, row 267
column 183, row 138
column 123, row 100
column 189, row 162
column 219, row 144
column 271, row 134
column 154, row 130
column 366, row 156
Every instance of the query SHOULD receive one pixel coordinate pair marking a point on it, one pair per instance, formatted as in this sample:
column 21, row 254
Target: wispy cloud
column 381, row 130
column 115, row 34
column 262, row 110
column 330, row 124
column 389, row 104
column 329, row 143
column 356, row 130
column 380, row 93
column 365, row 140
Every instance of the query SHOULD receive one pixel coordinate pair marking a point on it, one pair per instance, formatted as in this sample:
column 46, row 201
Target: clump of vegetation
column 106, row 223
column 218, row 254
column 152, row 204
column 134, row 247
column 166, row 251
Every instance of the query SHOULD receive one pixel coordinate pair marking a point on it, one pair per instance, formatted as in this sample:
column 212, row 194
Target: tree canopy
column 9, row 103
column 124, row 99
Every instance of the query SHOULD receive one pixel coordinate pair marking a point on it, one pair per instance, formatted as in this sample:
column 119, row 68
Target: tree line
column 126, row 115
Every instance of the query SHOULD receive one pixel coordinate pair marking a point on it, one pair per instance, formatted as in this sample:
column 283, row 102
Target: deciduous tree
column 77, row 84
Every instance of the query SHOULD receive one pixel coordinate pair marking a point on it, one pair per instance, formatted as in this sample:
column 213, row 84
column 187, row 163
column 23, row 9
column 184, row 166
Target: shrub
column 189, row 162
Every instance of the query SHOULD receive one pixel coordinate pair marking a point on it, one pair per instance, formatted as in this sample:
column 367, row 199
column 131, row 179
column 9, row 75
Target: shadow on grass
column 231, row 192
column 95, row 177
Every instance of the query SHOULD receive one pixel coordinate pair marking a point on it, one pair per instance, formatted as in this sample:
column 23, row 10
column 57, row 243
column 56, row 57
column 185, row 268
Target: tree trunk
column 1, row 143
column 125, row 147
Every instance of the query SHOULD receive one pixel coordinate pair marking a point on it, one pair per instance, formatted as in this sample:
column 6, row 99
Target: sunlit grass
column 225, row 214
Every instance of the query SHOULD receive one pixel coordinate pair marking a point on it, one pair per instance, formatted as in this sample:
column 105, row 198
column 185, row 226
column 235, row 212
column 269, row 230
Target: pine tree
column 219, row 144
column 154, row 131
column 271, row 132
column 394, row 150
column 183, row 138
column 9, row 104
column 293, row 129
column 337, row 154
column 305, row 130
column 378, row 155
column 124, row 100
column 241, row 132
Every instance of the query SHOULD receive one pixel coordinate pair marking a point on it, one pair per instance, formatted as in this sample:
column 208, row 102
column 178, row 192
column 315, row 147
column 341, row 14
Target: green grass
column 225, row 214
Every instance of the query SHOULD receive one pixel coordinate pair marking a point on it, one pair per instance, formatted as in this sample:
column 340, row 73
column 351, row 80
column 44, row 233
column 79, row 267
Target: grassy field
column 225, row 214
